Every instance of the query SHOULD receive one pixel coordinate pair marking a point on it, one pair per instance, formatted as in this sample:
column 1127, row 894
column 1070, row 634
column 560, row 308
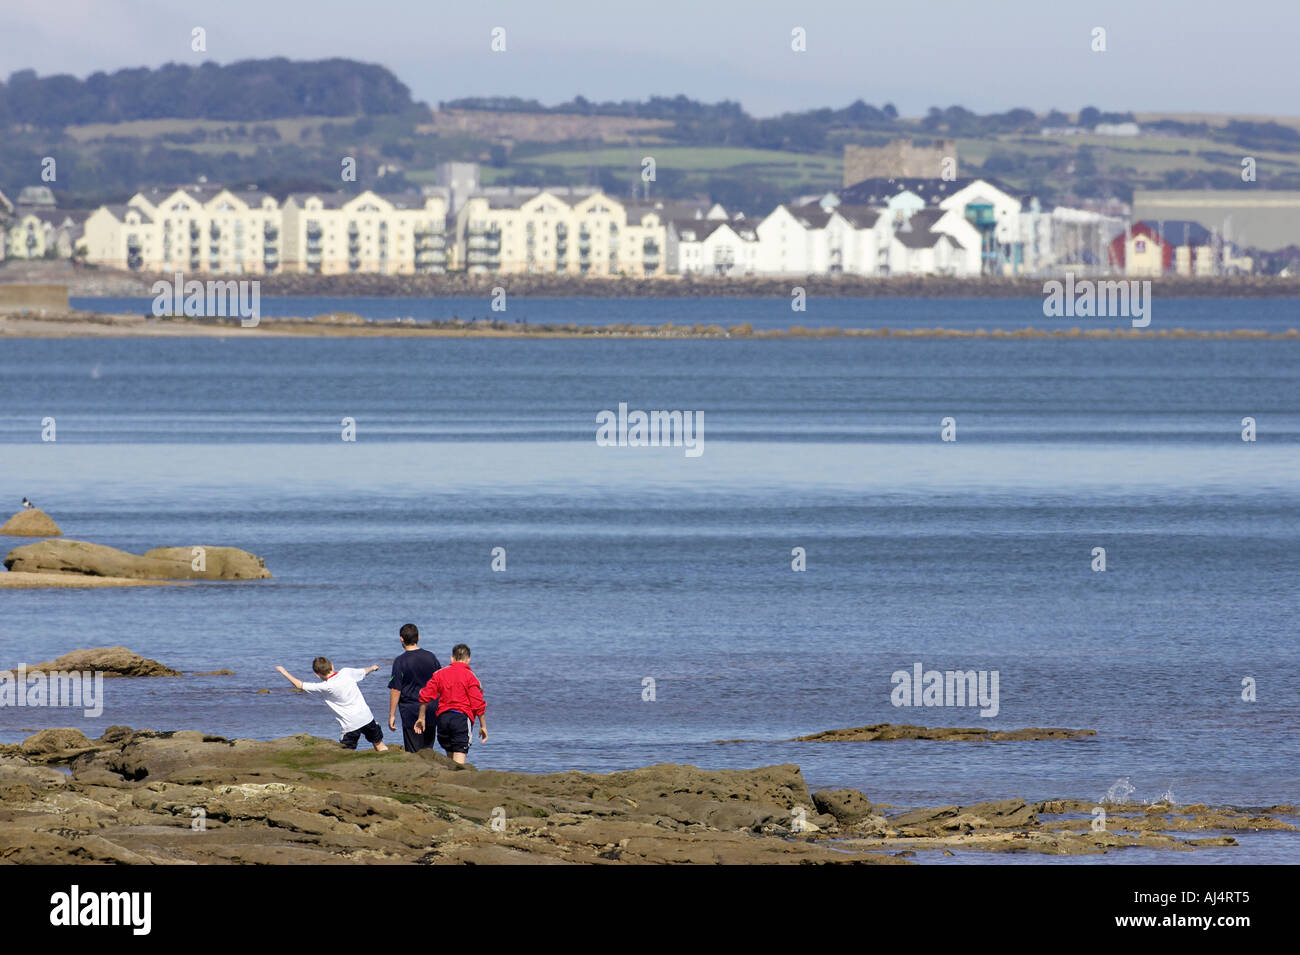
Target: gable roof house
column 1177, row 246
column 715, row 247
column 929, row 242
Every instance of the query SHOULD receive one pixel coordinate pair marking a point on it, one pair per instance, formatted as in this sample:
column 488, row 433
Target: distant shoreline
column 95, row 325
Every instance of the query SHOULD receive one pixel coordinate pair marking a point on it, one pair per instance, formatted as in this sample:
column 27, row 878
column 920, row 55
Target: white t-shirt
column 344, row 697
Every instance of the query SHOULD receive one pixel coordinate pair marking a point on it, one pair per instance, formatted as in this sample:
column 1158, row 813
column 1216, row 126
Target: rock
column 110, row 661
column 55, row 741
column 890, row 731
column 31, row 523
column 848, row 806
column 223, row 563
column 19, row 770
column 162, row 563
column 994, row 815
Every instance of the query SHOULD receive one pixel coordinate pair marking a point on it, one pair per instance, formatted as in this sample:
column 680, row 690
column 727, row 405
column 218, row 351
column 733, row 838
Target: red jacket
column 456, row 688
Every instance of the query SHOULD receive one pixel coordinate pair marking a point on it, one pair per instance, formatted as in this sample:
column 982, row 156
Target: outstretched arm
column 290, row 677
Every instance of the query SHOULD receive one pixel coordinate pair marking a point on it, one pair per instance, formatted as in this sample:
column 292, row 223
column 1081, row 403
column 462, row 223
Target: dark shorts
column 371, row 731
column 453, row 731
column 411, row 740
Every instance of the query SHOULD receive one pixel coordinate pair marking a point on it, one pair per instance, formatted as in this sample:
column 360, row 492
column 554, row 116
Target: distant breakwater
column 569, row 286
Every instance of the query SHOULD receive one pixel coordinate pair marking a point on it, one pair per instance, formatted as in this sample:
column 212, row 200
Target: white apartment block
column 592, row 235
column 715, row 247
column 211, row 230
column 196, row 229
column 338, row 234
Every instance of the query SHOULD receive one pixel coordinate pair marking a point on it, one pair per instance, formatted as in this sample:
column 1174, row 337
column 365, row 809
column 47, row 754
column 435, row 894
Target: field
column 290, row 129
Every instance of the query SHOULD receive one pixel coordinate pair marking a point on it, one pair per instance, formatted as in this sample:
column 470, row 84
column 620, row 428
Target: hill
column 248, row 91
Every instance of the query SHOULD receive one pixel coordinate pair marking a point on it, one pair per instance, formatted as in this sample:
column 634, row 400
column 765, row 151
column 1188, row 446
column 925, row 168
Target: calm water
column 1270, row 314
column 627, row 563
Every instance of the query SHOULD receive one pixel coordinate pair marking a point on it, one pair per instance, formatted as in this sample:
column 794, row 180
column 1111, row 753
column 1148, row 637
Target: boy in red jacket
column 460, row 701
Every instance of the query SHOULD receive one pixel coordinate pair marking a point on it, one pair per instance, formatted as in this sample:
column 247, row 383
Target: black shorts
column 412, row 741
column 371, row 731
column 453, row 731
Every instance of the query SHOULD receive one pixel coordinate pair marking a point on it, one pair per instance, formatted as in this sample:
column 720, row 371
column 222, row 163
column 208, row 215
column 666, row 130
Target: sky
column 1188, row 56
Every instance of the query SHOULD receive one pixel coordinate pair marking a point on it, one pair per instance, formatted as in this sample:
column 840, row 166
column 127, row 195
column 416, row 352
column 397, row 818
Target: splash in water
column 1119, row 791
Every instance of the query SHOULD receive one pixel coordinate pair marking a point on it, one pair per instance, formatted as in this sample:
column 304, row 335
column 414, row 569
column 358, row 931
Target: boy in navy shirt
column 411, row 671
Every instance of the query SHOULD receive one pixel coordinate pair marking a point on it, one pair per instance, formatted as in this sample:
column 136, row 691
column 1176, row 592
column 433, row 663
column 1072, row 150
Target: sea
column 635, row 605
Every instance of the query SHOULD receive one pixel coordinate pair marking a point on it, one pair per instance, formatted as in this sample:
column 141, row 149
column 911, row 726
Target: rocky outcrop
column 848, row 806
column 55, row 741
column 150, row 797
column 1008, row 813
column 31, row 523
column 891, row 731
column 110, row 661
column 135, row 796
column 161, row 563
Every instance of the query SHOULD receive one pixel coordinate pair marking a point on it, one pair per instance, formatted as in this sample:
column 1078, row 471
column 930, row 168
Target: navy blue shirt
column 411, row 671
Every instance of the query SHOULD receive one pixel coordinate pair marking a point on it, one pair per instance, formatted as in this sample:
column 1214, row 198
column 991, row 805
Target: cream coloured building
column 38, row 233
column 201, row 229
column 543, row 233
column 211, row 230
column 336, row 234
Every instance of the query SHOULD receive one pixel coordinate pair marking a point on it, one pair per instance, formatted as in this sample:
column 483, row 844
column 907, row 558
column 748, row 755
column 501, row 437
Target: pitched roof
column 918, row 232
column 860, row 217
column 696, row 230
column 932, row 190
column 1179, row 232
column 119, row 211
column 330, row 200
column 55, row 217
column 811, row 216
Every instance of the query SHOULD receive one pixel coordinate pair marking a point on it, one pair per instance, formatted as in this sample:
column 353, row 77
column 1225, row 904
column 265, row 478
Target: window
column 1140, row 245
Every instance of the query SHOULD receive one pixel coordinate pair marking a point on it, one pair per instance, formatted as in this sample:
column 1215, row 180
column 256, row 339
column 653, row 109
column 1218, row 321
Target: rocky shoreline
column 145, row 797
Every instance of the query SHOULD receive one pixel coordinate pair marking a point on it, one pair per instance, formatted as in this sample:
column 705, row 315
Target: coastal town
column 903, row 210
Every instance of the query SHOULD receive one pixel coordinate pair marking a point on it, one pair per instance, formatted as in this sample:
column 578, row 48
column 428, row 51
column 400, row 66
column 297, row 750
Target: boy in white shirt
column 343, row 696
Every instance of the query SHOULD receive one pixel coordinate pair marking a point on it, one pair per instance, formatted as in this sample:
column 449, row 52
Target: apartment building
column 716, row 246
column 42, row 232
column 593, row 235
column 205, row 229
column 340, row 233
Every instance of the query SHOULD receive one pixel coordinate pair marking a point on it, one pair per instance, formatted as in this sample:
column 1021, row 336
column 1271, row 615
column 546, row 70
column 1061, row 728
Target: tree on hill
column 249, row 90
